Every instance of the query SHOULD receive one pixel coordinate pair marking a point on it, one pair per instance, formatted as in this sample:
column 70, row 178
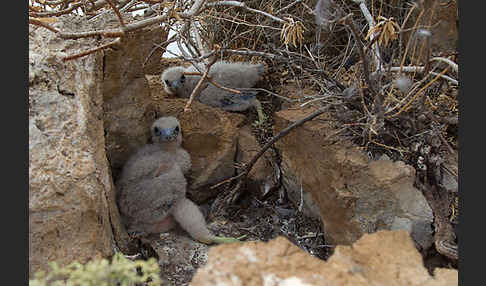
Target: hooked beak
column 167, row 134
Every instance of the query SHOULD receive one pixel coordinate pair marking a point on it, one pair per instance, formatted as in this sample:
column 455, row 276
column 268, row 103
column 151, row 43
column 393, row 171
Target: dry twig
column 85, row 53
column 248, row 166
column 42, row 24
column 199, row 85
column 120, row 18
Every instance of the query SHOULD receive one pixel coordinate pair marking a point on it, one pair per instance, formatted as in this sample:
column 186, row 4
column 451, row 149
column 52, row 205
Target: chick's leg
column 190, row 218
column 258, row 106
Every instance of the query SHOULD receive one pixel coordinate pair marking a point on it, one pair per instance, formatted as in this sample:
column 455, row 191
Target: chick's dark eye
column 156, row 131
column 183, row 77
column 176, row 130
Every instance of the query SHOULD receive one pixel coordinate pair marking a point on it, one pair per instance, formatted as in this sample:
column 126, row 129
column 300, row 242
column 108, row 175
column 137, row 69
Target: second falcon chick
column 232, row 75
column 151, row 191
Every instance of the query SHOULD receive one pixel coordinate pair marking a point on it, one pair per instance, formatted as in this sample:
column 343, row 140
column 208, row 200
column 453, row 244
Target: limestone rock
column 72, row 212
column 382, row 258
column 127, row 118
column 179, row 256
column 354, row 195
column 127, row 105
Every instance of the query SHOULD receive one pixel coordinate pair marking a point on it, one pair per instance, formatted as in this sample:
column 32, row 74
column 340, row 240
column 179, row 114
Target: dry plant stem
column 222, row 87
column 42, row 24
column 409, row 94
column 123, row 6
column 409, row 41
column 454, row 66
column 243, row 5
column 419, row 92
column 432, row 117
column 253, row 53
column 104, row 33
column 208, row 78
column 97, row 5
column 422, row 69
column 237, row 52
column 159, row 46
column 274, row 94
column 85, row 53
column 414, row 5
column 371, row 24
column 288, row 6
column 55, row 13
column 427, row 55
column 348, row 21
column 199, row 85
column 116, row 12
column 56, row 2
column 114, row 33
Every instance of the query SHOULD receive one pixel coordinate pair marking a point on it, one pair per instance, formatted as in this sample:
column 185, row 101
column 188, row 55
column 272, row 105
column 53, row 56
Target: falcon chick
column 151, row 191
column 232, row 75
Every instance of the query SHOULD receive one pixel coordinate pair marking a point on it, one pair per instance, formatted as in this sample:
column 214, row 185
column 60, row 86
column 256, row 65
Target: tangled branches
column 379, row 58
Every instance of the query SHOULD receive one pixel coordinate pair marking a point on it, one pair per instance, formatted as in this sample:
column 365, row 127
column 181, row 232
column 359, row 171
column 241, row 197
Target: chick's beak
column 169, row 134
column 175, row 84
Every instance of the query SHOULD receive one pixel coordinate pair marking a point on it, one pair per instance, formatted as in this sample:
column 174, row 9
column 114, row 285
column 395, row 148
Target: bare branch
column 243, row 5
column 237, row 52
column 419, row 92
column 288, row 6
column 116, row 12
column 371, row 24
column 55, row 13
column 42, row 24
column 199, row 85
column 454, row 66
column 281, row 134
column 85, row 53
column 422, row 69
column 348, row 21
column 222, row 87
column 208, row 78
column 113, row 33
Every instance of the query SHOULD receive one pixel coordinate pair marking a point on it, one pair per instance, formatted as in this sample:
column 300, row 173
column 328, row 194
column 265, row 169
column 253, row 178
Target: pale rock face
column 72, row 209
column 69, row 179
column 382, row 258
column 352, row 194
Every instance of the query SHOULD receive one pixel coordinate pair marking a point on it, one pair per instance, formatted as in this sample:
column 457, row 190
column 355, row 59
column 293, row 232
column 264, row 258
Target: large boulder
column 72, row 106
column 339, row 184
column 382, row 258
column 70, row 188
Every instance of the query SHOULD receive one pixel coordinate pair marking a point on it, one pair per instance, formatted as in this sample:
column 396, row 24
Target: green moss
column 121, row 271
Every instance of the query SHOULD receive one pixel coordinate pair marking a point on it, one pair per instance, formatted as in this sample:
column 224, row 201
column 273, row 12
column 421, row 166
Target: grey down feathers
column 151, row 191
column 232, row 75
